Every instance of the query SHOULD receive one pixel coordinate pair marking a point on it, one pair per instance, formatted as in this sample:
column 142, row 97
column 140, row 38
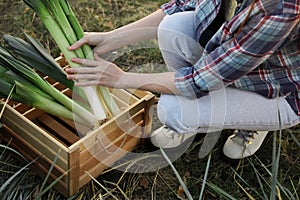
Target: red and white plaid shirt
column 263, row 58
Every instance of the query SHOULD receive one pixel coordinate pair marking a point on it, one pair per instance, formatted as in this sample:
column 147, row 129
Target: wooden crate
column 35, row 133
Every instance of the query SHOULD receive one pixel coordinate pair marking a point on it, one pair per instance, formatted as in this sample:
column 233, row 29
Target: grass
column 223, row 178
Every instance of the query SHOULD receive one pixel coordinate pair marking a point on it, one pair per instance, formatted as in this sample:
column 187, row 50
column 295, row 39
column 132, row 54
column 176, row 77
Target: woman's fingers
column 80, row 77
column 89, row 66
column 78, row 44
column 97, row 57
column 86, row 83
column 88, row 62
column 86, row 76
column 94, row 72
column 82, row 70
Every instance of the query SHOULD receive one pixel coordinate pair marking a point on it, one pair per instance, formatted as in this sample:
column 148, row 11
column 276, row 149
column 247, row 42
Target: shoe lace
column 172, row 133
column 175, row 134
column 245, row 135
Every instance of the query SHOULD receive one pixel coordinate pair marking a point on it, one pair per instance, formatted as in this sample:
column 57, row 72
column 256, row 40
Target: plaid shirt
column 263, row 58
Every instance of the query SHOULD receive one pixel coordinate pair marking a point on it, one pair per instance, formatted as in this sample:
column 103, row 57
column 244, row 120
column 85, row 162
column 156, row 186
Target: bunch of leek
column 35, row 55
column 27, row 87
column 59, row 19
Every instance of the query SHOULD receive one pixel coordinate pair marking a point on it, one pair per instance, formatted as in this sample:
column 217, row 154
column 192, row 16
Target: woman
column 226, row 72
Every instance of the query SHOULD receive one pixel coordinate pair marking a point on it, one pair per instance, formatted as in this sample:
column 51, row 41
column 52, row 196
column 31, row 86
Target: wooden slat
column 125, row 96
column 74, row 166
column 61, row 61
column 76, row 128
column 112, row 147
column 59, row 86
column 147, row 127
column 67, row 92
column 68, row 123
column 139, row 93
column 120, row 103
column 21, row 108
column 94, row 148
column 50, row 80
column 57, row 129
column 32, row 113
column 29, row 152
column 107, row 139
column 123, row 116
column 98, row 166
column 38, row 138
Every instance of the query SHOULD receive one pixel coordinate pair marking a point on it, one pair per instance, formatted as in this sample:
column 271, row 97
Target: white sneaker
column 243, row 143
column 165, row 137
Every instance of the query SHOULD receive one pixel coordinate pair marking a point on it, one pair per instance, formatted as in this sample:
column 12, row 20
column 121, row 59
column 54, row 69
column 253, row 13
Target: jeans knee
column 165, row 31
column 178, row 24
column 169, row 111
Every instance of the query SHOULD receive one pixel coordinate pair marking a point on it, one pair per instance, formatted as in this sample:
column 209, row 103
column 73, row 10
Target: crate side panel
column 111, row 124
column 106, row 138
column 34, row 135
column 73, row 175
column 98, row 167
column 110, row 150
column 42, row 163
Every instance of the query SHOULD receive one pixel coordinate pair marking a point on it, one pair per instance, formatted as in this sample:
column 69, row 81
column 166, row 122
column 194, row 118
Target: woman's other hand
column 101, row 41
column 96, row 72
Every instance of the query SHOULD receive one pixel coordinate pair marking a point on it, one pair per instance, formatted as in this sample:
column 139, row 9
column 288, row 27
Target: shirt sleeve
column 175, row 6
column 226, row 60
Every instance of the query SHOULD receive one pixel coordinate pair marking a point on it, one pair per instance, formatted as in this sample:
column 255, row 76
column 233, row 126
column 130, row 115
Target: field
column 223, row 178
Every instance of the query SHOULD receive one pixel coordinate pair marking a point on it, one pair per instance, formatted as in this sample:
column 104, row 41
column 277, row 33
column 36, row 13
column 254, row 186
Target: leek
column 62, row 24
column 35, row 55
column 30, row 55
column 29, row 94
column 10, row 77
column 58, row 35
column 58, row 13
column 14, row 71
column 40, row 102
column 88, row 52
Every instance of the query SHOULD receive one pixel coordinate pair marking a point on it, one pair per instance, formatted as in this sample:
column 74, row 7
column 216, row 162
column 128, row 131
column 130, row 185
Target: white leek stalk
column 59, row 36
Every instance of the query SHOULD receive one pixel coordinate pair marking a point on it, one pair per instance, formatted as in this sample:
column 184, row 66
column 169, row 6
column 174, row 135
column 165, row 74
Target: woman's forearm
column 102, row 72
column 141, row 30
column 156, row 82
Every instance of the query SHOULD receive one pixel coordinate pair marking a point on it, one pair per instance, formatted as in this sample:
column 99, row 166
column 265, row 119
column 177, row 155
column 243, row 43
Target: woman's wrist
column 157, row 82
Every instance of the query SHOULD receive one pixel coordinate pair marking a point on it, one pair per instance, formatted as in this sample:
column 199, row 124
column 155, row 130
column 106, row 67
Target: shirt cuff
column 186, row 85
column 170, row 8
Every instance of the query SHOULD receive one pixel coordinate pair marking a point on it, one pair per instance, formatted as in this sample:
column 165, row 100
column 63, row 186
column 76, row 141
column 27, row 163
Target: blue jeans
column 227, row 108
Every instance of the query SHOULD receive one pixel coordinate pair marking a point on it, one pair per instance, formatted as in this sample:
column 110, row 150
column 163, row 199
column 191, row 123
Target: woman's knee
column 176, row 39
column 167, row 108
column 175, row 25
column 166, row 32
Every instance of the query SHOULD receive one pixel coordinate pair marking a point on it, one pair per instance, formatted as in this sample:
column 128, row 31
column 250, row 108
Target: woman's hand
column 104, row 73
column 96, row 72
column 141, row 30
column 101, row 41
